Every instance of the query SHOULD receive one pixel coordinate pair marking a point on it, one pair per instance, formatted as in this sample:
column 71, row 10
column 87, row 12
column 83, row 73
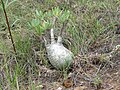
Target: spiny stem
column 8, row 26
column 63, row 27
column 52, row 36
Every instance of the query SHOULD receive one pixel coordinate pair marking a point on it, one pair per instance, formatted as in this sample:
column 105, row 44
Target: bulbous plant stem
column 8, row 26
column 63, row 27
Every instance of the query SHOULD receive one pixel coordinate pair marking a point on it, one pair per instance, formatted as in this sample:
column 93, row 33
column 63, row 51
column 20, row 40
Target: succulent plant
column 59, row 56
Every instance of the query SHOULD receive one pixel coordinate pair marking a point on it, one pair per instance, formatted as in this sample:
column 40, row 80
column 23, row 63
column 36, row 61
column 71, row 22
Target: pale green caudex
column 59, row 56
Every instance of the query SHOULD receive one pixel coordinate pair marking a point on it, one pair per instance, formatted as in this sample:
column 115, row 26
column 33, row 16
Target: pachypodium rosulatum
column 59, row 56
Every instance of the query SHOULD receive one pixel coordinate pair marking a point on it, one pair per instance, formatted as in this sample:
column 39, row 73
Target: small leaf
column 35, row 22
column 37, row 13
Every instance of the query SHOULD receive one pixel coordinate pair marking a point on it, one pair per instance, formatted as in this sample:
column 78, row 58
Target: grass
column 29, row 20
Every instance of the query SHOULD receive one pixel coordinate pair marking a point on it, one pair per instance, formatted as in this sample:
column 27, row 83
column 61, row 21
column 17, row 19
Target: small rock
column 68, row 83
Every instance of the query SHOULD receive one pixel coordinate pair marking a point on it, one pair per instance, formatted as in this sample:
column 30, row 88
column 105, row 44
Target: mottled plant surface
column 92, row 33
